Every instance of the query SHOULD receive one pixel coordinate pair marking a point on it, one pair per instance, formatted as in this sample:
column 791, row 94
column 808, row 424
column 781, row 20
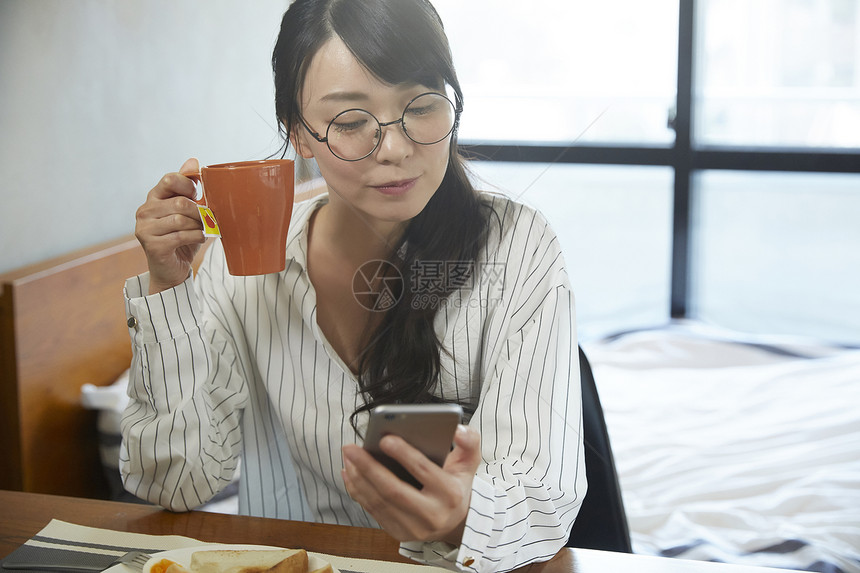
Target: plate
column 183, row 556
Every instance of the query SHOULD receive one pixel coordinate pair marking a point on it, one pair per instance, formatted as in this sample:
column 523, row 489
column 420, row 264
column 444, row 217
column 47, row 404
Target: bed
column 735, row 448
column 728, row 448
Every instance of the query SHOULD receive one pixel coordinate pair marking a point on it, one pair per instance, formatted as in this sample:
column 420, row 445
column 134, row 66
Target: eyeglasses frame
column 458, row 109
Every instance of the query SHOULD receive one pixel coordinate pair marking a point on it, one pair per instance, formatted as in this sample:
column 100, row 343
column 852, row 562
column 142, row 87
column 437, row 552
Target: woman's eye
column 423, row 110
column 347, row 126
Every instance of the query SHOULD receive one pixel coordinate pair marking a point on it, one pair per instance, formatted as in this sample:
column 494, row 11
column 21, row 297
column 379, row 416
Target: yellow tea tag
column 210, row 225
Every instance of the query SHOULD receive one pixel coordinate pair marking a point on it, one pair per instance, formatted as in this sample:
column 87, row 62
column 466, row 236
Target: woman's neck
column 357, row 237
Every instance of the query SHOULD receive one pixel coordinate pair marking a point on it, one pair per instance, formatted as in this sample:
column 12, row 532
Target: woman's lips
column 396, row 187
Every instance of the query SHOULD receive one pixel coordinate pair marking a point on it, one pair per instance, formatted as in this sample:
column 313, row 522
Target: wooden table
column 22, row 515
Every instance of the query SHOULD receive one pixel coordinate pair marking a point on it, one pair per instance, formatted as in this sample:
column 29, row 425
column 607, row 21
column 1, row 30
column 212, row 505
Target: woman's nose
column 395, row 145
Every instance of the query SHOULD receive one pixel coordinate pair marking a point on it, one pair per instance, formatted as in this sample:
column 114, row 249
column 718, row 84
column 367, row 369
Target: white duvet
column 733, row 452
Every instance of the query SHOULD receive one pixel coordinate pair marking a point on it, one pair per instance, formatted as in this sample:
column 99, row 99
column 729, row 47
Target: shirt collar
column 297, row 237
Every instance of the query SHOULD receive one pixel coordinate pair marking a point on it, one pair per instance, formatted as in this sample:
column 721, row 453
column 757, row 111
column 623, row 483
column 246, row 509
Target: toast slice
column 295, row 563
column 244, row 560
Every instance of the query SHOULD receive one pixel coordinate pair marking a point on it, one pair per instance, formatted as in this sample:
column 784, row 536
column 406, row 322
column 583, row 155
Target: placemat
column 63, row 542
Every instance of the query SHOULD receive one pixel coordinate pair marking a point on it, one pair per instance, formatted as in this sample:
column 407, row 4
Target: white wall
column 99, row 98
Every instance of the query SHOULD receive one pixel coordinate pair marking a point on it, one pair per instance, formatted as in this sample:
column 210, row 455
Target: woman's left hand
column 435, row 513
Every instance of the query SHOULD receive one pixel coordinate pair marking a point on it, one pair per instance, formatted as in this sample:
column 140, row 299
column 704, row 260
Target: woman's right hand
column 168, row 227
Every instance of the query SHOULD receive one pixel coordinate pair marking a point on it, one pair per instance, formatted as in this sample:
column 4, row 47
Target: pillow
column 110, row 402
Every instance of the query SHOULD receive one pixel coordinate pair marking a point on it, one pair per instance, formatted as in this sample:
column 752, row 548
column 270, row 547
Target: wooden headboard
column 62, row 324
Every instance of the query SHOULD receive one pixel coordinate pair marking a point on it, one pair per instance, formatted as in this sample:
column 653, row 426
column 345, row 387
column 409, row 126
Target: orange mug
column 252, row 202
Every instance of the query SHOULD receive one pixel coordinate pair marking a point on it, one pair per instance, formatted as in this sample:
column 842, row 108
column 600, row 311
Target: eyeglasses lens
column 354, row 134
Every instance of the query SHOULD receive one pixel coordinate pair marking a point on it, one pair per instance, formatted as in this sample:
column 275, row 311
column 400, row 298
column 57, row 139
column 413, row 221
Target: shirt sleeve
column 181, row 429
column 528, row 490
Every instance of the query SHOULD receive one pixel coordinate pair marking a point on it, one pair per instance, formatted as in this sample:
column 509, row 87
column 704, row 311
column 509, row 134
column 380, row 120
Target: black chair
column 601, row 523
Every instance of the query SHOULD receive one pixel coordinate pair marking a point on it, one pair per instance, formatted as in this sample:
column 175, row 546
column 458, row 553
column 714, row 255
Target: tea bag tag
column 210, row 225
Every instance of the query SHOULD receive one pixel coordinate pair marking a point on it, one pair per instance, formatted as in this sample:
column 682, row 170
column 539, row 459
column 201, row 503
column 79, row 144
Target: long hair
column 398, row 41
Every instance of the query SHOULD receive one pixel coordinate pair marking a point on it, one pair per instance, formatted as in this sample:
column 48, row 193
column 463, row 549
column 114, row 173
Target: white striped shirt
column 227, row 367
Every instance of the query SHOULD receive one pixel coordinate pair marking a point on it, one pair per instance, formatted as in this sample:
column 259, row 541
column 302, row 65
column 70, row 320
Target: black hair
column 399, row 41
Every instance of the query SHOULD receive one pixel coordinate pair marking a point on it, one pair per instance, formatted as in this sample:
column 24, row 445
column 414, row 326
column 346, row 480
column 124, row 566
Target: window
column 662, row 138
column 779, row 73
column 777, row 252
column 615, row 229
column 560, row 71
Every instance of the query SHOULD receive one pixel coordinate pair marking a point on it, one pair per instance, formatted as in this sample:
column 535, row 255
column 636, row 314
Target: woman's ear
column 297, row 139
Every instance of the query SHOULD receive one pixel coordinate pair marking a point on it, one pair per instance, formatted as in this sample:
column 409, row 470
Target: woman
column 282, row 369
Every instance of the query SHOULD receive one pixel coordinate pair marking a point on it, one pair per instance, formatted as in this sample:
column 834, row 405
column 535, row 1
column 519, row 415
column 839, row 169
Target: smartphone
column 427, row 427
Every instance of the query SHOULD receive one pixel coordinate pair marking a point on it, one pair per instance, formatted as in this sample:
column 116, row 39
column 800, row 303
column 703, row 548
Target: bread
column 295, row 563
column 326, row 569
column 249, row 561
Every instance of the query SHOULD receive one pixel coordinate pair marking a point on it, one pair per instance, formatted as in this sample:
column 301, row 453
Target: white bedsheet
column 731, row 452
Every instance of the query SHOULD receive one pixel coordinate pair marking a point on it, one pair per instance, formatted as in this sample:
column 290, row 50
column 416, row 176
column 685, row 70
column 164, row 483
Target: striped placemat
column 63, row 543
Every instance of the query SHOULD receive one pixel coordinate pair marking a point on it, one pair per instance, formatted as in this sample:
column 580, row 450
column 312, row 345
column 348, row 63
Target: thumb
column 466, row 455
column 190, row 166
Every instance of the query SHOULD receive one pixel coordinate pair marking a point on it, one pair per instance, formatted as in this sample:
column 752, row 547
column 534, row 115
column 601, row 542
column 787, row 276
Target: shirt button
column 468, row 561
column 132, row 322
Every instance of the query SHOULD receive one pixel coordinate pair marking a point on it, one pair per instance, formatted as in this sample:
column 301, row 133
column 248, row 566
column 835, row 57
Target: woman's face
column 396, row 181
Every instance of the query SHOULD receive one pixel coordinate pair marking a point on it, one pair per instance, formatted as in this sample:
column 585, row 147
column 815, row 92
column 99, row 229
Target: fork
column 134, row 559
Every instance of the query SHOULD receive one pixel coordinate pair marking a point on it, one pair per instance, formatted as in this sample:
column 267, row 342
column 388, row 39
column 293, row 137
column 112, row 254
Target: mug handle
column 207, row 217
column 198, row 184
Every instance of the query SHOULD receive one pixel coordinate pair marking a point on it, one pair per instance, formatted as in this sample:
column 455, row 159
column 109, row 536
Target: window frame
column 683, row 157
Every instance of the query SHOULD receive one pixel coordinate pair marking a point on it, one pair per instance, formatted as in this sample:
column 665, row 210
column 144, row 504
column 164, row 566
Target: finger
column 394, row 504
column 161, row 230
column 160, row 236
column 358, row 486
column 190, row 166
column 173, row 184
column 446, row 488
column 411, row 458
column 371, row 484
column 466, row 455
column 378, row 485
column 160, row 226
column 434, row 512
column 370, row 468
column 157, row 208
column 358, row 491
column 169, row 245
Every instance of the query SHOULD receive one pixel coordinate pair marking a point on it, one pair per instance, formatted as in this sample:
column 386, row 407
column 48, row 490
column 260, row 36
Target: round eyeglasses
column 355, row 133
